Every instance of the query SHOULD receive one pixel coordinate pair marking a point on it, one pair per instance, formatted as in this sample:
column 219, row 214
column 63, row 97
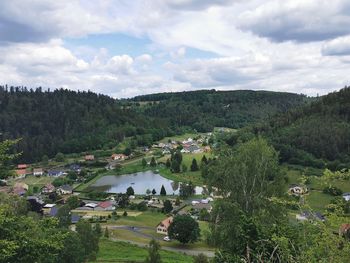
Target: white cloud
column 292, row 45
column 337, row 47
column 299, row 20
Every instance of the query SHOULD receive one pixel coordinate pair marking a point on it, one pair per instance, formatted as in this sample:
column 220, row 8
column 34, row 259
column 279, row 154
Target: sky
column 125, row 48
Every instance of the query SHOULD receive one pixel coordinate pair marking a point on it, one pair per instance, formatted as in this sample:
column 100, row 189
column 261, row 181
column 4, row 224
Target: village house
column 65, row 189
column 55, row 173
column 297, row 190
column 105, row 206
column 21, row 173
column 89, row 157
column 38, row 171
column 75, row 168
column 163, row 226
column 47, row 208
column 22, row 166
column 118, row 157
column 48, row 189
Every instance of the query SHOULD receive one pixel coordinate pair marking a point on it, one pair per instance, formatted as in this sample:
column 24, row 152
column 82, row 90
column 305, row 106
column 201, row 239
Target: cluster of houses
column 188, row 146
column 23, row 170
column 196, row 205
column 21, row 189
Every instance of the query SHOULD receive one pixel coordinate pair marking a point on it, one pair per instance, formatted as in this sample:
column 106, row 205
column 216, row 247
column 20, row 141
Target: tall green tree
column 162, row 191
column 248, row 179
column 184, row 229
column 130, row 191
column 144, row 162
column 153, row 162
column 153, row 252
column 5, row 156
column 194, row 165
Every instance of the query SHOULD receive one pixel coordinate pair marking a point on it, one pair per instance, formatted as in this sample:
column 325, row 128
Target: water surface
column 140, row 182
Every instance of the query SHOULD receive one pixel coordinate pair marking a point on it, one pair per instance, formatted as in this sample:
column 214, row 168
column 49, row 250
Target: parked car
column 166, row 238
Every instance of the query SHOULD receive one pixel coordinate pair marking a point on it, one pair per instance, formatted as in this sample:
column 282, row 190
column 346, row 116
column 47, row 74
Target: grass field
column 111, row 251
column 35, row 181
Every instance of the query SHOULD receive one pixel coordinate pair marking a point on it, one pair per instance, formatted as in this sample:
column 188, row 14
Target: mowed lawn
column 32, row 180
column 111, row 251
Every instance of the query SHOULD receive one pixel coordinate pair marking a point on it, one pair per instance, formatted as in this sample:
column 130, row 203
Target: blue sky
column 127, row 48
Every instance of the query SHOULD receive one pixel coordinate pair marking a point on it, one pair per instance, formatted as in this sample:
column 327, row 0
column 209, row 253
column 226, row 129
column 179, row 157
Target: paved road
column 136, row 231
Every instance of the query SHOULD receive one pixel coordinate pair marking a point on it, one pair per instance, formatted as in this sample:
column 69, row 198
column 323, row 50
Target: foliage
column 5, row 156
column 144, row 162
column 73, row 202
column 247, row 178
column 70, row 122
column 153, row 162
column 203, row 110
column 168, row 207
column 153, row 252
column 130, row 191
column 332, row 190
column 25, row 239
column 317, row 134
column 186, row 190
column 59, row 157
column 89, row 238
column 194, row 165
column 184, row 229
column 201, row 258
column 162, row 191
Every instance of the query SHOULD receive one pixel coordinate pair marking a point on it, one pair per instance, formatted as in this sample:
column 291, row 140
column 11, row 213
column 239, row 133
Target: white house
column 163, row 226
column 38, row 172
column 65, row 189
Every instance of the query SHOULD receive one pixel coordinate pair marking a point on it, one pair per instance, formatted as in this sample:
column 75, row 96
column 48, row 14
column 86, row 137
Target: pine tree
column 153, row 162
column 153, row 252
column 194, row 165
column 162, row 191
column 106, row 233
column 144, row 162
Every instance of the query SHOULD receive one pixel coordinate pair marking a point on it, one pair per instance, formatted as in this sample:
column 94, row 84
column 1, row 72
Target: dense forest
column 317, row 134
column 204, row 110
column 69, row 121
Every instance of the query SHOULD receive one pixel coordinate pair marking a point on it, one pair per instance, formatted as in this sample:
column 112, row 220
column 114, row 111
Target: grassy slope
column 111, row 251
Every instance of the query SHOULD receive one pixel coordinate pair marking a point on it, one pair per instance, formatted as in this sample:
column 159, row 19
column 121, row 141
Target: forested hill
column 317, row 134
column 206, row 109
column 67, row 121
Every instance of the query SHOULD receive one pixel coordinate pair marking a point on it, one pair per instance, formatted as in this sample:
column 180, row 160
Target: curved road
column 135, row 230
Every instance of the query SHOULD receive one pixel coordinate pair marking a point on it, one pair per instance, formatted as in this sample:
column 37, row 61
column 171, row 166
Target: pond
column 140, row 182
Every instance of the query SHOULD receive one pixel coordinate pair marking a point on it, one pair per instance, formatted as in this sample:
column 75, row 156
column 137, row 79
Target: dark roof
column 53, row 211
column 54, row 172
column 75, row 219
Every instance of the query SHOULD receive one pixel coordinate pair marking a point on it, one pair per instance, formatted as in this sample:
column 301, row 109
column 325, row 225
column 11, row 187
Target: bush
column 332, row 190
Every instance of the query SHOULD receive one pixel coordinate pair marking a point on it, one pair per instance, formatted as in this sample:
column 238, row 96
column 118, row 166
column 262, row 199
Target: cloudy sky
column 126, row 48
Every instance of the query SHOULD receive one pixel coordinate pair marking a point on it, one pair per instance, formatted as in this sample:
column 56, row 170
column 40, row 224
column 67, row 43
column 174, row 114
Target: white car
column 167, row 239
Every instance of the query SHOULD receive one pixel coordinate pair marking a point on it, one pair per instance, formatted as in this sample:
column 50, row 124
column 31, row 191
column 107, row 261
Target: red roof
column 21, row 172
column 22, row 166
column 166, row 222
column 105, row 204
